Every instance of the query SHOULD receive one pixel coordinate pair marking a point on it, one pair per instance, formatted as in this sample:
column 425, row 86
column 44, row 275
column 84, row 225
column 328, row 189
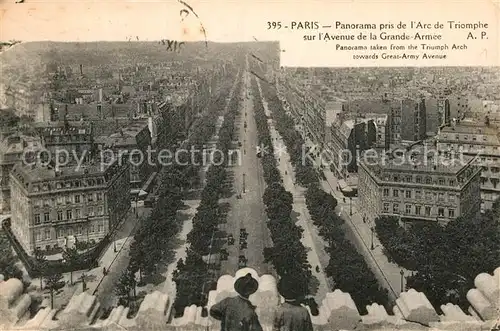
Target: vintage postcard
column 287, row 165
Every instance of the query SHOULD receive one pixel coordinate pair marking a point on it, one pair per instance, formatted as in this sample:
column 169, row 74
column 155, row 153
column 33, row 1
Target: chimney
column 81, row 69
column 100, row 95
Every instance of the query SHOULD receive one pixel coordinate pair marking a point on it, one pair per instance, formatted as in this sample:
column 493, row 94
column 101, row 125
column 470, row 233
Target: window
column 440, row 212
column 99, row 196
column 396, row 178
column 60, row 233
column 99, row 210
column 418, row 210
column 100, row 227
column 91, row 211
column 79, row 230
column 386, row 192
column 68, row 199
column 441, row 197
column 91, row 228
column 70, row 231
column 418, row 194
column 46, row 217
column 60, row 200
column 451, row 197
column 77, row 213
column 395, row 208
column 427, row 211
column 90, row 197
column 418, row 179
column 47, row 234
column 409, row 179
column 408, row 194
column 451, row 213
column 37, row 219
column 428, row 180
column 38, row 236
column 452, row 182
column 386, row 207
column 441, row 181
column 428, row 195
column 59, row 215
column 69, row 214
column 77, row 198
column 395, row 193
column 408, row 209
column 58, row 185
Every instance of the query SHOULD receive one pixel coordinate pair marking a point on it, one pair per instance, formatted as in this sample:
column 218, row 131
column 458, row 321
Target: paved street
column 248, row 212
column 115, row 263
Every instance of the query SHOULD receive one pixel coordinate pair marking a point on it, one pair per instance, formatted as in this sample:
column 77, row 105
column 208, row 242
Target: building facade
column 12, row 152
column 435, row 193
column 50, row 205
column 132, row 142
column 71, row 143
column 481, row 142
column 413, row 120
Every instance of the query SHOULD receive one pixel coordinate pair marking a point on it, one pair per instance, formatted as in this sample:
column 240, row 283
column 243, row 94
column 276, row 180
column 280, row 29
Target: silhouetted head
column 291, row 289
column 246, row 285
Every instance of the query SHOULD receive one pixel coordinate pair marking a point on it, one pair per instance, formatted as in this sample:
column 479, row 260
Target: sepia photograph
column 249, row 166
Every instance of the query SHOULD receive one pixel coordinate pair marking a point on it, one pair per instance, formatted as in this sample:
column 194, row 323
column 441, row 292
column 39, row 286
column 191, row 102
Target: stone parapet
column 338, row 311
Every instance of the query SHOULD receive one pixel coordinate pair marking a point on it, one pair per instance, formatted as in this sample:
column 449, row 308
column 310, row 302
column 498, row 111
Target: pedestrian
column 317, row 268
column 238, row 313
column 104, row 271
column 291, row 315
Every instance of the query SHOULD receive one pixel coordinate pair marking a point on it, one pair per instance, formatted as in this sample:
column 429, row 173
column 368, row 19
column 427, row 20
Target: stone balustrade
column 338, row 311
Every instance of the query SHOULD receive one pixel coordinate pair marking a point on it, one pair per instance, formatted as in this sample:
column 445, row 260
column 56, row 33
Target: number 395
column 273, row 25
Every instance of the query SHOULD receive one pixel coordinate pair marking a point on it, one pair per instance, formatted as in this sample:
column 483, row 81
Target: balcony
column 412, row 310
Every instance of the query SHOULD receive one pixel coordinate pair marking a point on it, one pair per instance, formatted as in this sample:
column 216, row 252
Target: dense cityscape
column 139, row 184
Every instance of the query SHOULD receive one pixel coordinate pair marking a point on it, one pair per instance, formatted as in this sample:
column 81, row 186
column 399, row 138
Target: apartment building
column 133, row 142
column 476, row 140
column 13, row 150
column 49, row 205
column 435, row 190
column 71, row 142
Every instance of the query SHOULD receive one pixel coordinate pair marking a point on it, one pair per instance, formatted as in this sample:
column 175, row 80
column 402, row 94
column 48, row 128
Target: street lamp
column 114, row 246
column 402, row 273
column 84, row 285
column 350, row 206
column 372, row 246
column 243, row 183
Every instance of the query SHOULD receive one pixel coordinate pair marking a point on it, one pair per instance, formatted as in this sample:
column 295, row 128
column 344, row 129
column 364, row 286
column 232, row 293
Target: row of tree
column 288, row 255
column 347, row 267
column 446, row 259
column 152, row 241
column 192, row 277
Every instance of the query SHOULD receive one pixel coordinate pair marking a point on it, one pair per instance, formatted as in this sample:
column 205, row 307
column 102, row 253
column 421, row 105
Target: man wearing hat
column 291, row 315
column 238, row 313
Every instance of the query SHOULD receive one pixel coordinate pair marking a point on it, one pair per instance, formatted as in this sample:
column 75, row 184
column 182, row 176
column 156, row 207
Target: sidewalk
column 310, row 238
column 94, row 277
column 388, row 273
